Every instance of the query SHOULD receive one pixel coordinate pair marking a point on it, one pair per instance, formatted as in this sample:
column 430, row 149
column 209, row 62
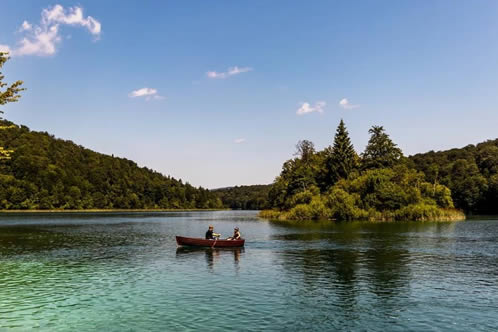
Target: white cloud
column 239, row 140
column 307, row 108
column 42, row 42
column 230, row 72
column 148, row 93
column 26, row 26
column 72, row 16
column 344, row 103
column 142, row 92
column 42, row 39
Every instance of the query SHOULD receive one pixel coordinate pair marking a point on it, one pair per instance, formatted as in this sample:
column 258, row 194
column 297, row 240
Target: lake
column 124, row 272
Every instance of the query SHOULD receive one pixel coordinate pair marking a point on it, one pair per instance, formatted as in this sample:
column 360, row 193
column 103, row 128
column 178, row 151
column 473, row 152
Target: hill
column 470, row 172
column 253, row 197
column 39, row 171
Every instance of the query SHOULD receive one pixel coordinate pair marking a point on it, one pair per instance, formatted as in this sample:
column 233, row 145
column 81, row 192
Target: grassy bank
column 409, row 213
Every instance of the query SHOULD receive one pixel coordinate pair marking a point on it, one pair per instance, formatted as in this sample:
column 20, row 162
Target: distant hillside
column 470, row 172
column 245, row 197
column 38, row 171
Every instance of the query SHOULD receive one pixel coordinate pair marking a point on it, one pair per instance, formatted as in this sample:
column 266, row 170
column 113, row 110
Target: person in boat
column 236, row 234
column 210, row 234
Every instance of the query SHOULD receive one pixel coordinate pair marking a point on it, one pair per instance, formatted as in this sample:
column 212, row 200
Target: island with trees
column 338, row 184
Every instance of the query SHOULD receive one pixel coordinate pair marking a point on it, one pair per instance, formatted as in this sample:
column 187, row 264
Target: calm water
column 123, row 272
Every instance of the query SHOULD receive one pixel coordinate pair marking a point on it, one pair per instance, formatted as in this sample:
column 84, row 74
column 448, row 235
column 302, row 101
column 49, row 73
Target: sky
column 218, row 93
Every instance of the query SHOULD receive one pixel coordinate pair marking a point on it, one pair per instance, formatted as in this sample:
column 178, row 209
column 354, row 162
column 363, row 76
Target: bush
column 418, row 212
column 301, row 212
column 343, row 205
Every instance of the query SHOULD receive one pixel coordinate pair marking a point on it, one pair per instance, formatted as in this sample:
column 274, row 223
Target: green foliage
column 380, row 151
column 426, row 212
column 11, row 93
column 470, row 173
column 342, row 159
column 301, row 174
column 384, row 188
column 300, row 212
column 48, row 173
column 244, row 197
column 343, row 205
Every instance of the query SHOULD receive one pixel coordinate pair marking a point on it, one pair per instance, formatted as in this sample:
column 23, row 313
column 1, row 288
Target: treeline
column 253, row 197
column 42, row 172
column 470, row 172
column 337, row 183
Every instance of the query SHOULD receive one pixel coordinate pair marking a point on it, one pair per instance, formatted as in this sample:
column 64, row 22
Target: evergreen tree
column 381, row 151
column 343, row 158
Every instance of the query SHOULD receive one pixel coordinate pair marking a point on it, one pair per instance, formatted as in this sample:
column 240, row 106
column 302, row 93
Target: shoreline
column 105, row 210
column 447, row 215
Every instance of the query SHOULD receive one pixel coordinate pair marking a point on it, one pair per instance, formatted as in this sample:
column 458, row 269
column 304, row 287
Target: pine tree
column 381, row 151
column 343, row 158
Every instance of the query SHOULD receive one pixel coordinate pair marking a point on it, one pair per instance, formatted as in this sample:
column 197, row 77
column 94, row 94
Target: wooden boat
column 198, row 242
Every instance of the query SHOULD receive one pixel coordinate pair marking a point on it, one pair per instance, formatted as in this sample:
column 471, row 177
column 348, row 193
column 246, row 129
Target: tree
column 381, row 151
column 305, row 149
column 343, row 158
column 12, row 93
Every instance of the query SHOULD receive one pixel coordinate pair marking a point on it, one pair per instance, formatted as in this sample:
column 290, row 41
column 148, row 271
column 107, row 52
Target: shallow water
column 123, row 272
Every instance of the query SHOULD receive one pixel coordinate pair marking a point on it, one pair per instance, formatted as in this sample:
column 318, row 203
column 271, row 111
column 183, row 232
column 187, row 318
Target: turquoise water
column 123, row 272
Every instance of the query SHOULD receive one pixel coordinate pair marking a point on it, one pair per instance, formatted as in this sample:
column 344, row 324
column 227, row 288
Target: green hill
column 253, row 197
column 470, row 172
column 38, row 171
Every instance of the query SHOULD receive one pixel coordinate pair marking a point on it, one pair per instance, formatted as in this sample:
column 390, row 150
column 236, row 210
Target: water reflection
column 345, row 261
column 213, row 256
column 116, row 274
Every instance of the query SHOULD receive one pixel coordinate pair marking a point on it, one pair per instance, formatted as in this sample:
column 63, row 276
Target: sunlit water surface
column 123, row 272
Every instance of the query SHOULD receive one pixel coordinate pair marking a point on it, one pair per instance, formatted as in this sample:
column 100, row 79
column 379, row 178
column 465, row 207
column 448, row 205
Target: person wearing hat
column 236, row 234
column 210, row 234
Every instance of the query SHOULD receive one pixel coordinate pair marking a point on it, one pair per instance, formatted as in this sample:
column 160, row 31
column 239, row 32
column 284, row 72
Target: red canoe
column 197, row 242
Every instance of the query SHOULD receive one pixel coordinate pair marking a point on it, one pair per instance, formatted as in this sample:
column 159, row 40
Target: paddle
column 216, row 239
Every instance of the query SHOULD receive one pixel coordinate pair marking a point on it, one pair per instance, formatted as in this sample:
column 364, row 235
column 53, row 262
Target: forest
column 471, row 173
column 38, row 171
column 339, row 184
column 253, row 197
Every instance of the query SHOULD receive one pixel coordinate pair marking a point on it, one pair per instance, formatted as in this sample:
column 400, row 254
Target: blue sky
column 218, row 93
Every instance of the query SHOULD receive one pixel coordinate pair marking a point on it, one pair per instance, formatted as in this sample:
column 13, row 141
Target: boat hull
column 197, row 242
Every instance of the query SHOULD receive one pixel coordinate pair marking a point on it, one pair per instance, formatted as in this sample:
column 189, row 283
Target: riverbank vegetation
column 253, row 197
column 337, row 183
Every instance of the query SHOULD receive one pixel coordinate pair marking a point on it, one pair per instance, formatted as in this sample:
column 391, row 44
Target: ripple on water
column 125, row 273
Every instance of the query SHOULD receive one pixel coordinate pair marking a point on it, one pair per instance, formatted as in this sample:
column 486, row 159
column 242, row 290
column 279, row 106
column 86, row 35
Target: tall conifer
column 343, row 158
column 381, row 151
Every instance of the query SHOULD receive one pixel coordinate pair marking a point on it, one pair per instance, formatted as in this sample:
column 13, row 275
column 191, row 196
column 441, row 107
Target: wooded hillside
column 42, row 172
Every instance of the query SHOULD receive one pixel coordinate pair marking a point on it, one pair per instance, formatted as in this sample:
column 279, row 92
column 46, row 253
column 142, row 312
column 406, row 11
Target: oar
column 214, row 242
